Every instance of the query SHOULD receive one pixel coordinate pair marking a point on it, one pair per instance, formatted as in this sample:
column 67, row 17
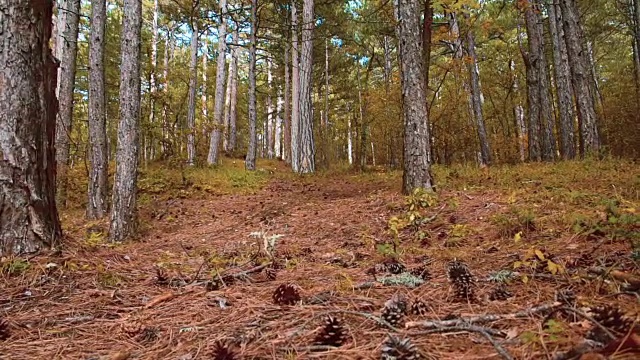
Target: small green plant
column 110, row 279
column 514, row 221
column 535, row 259
column 412, row 218
column 13, row 266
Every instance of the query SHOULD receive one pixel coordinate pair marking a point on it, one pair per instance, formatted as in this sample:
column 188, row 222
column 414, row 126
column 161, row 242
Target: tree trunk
column 250, row 161
column 205, row 57
column 227, row 101
column 214, row 146
column 533, row 63
column 589, row 139
column 563, row 83
column 286, row 156
column 153, row 87
column 518, row 113
column 67, row 49
column 295, row 91
column 193, row 80
column 123, row 212
column 417, row 169
column 325, row 119
column 636, row 46
column 28, row 215
column 233, row 102
column 307, row 150
column 98, row 156
column 269, row 136
column 476, row 98
column 166, row 144
column 278, row 130
column 427, row 33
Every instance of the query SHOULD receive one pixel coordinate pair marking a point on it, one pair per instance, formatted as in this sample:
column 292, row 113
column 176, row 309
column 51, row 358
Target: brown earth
column 94, row 301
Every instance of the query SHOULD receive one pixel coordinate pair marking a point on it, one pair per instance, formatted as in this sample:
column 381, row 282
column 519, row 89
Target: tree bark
column 233, row 101
column 67, row 49
column 250, row 161
column 153, row 87
column 193, row 80
column 579, row 63
column 123, row 214
column 417, row 169
column 295, row 91
column 563, row 83
column 476, row 99
column 214, row 146
column 278, row 130
column 166, row 144
column 227, row 101
column 205, row 58
column 307, row 150
column 98, row 153
column 533, row 63
column 636, row 45
column 286, row 156
column 28, row 215
column 427, row 33
column 269, row 136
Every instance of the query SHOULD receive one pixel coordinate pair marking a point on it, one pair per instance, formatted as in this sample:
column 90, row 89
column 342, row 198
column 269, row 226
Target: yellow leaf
column 517, row 264
column 539, row 254
column 517, row 237
column 553, row 268
column 512, row 198
column 525, row 279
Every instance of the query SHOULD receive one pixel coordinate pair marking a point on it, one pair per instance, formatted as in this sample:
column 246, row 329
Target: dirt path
column 99, row 300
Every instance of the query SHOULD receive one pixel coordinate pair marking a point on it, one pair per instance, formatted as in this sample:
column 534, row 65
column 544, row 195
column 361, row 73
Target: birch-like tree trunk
column 518, row 113
column 563, row 83
column 579, row 63
column 295, row 91
column 233, row 97
column 307, row 150
column 250, row 160
column 153, row 87
column 98, row 153
column 227, row 100
column 193, row 83
column 417, row 169
column 123, row 211
column 28, row 215
column 214, row 146
column 286, row 156
column 67, row 49
column 476, row 99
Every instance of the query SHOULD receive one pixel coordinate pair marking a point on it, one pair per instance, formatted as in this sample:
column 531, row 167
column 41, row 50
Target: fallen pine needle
column 159, row 299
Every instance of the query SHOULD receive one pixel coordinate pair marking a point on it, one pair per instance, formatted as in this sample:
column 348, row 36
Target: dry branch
column 483, row 318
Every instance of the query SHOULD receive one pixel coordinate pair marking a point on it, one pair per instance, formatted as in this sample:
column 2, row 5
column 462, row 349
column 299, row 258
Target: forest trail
column 100, row 301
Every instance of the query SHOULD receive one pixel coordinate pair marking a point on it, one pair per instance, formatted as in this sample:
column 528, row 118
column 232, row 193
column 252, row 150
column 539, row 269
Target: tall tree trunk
column 123, row 212
column 203, row 87
column 193, row 80
column 361, row 156
column 67, row 49
column 153, row 87
column 295, row 91
column 166, row 144
column 278, row 130
column 533, row 63
column 269, row 135
column 227, row 100
column 286, row 156
column 214, row 146
column 579, row 63
column 564, row 90
column 518, row 113
column 427, row 32
column 250, row 161
column 233, row 102
column 476, row 98
column 417, row 169
column 28, row 215
column 307, row 150
column 636, row 46
column 98, row 153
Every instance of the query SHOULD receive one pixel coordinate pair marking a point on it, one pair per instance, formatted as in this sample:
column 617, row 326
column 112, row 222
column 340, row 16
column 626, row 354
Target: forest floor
column 196, row 274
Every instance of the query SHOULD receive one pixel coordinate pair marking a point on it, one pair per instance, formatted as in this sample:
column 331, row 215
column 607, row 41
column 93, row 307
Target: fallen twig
column 159, row 299
column 430, row 324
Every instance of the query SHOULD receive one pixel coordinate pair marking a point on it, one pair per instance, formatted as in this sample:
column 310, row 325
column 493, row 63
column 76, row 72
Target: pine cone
column 393, row 314
column 566, row 296
column 419, row 308
column 462, row 280
column 161, row 276
column 500, row 293
column 270, row 273
column 149, row 335
column 332, row 333
column 286, row 294
column 399, row 349
column 395, row 267
column 4, row 330
column 222, row 351
column 421, row 272
column 613, row 318
column 132, row 327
